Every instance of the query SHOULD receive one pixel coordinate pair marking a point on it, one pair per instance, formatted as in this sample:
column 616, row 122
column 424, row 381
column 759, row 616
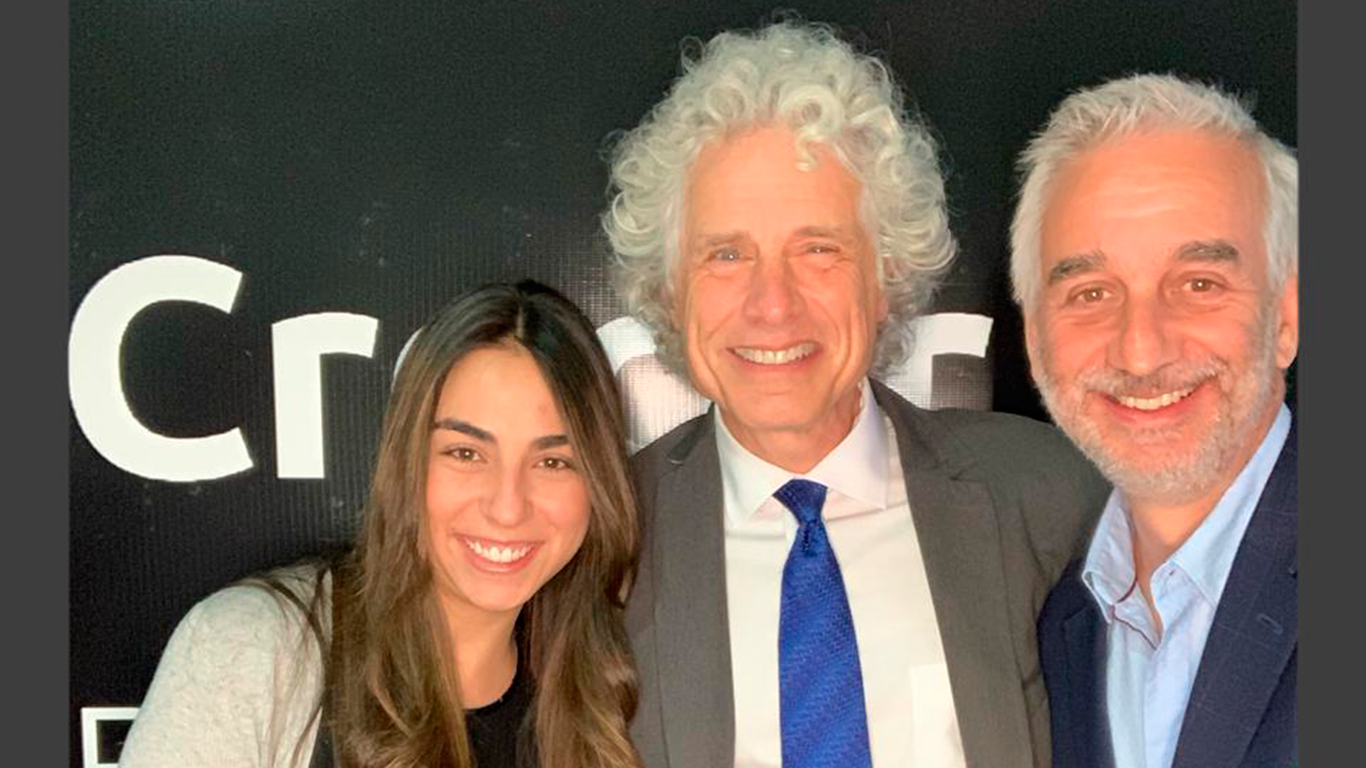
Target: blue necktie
column 821, row 686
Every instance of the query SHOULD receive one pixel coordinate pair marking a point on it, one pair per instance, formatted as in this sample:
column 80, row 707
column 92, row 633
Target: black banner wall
column 267, row 198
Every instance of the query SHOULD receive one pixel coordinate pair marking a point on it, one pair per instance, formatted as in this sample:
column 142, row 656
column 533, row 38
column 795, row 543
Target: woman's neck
column 485, row 653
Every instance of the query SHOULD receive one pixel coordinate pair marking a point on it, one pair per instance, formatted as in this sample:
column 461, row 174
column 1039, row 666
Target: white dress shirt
column 911, row 718
column 1148, row 676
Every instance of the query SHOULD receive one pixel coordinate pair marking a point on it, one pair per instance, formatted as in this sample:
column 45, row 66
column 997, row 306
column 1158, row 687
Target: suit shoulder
column 1035, row 474
column 1019, row 441
column 654, row 458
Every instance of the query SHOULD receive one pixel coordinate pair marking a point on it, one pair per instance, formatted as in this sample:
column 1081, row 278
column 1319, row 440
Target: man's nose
column 773, row 297
column 1145, row 341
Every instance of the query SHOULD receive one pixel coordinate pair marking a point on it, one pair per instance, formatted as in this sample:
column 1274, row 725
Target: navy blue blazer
column 1242, row 703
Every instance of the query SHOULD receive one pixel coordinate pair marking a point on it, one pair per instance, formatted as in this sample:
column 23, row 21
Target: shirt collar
column 856, row 468
column 1207, row 556
column 1109, row 568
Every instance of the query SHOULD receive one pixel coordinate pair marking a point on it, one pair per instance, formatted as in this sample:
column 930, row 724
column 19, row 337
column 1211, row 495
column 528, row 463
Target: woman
column 478, row 615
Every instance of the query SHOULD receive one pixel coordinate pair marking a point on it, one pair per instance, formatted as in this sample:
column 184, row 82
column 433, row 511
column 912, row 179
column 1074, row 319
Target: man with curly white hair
column 829, row 575
column 1155, row 259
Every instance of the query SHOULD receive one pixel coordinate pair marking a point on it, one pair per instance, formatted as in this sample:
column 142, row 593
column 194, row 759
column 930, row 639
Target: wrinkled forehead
column 1154, row 194
column 763, row 185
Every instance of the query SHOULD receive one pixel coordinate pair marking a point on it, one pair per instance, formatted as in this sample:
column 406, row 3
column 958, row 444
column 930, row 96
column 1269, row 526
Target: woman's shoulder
column 277, row 605
column 238, row 681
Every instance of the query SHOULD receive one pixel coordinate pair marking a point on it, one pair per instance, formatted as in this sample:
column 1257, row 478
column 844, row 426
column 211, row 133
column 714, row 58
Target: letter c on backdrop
column 96, row 379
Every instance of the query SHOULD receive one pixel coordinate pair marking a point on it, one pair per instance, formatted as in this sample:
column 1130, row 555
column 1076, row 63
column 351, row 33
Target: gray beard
column 1181, row 478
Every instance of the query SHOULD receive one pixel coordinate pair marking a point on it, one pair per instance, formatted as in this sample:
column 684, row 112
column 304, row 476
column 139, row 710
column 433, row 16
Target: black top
column 493, row 729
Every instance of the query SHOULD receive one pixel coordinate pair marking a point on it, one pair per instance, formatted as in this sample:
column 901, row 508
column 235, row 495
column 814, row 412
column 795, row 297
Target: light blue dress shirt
column 1148, row 676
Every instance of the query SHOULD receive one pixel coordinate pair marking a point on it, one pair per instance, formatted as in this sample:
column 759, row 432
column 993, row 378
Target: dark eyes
column 467, row 455
column 1089, row 295
column 1093, row 295
column 463, row 453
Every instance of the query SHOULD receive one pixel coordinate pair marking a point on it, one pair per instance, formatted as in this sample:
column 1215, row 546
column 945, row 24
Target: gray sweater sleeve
column 236, row 686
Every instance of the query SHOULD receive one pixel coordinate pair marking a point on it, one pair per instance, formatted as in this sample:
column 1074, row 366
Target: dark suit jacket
column 1242, row 703
column 1001, row 504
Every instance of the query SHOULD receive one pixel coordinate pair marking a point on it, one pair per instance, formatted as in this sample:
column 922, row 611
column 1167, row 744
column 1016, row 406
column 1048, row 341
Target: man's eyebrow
column 464, row 427
column 1075, row 265
column 835, row 233
column 720, row 238
column 1208, row 251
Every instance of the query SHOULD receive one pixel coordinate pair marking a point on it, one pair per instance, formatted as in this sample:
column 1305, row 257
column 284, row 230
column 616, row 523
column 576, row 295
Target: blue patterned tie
column 821, row 686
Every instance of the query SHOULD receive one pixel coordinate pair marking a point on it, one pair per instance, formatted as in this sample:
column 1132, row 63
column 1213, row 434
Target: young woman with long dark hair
column 477, row 619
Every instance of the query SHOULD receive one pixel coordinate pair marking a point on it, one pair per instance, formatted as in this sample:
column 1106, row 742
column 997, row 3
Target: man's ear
column 1288, row 332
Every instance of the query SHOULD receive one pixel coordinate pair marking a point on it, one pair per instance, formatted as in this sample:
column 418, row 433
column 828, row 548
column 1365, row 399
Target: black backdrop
column 376, row 158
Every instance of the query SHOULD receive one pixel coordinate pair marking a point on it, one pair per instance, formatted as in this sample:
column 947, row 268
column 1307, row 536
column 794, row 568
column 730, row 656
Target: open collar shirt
column 1148, row 674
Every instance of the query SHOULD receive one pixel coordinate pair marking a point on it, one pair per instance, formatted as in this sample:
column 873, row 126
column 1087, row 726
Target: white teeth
column 496, row 554
column 775, row 356
column 1153, row 403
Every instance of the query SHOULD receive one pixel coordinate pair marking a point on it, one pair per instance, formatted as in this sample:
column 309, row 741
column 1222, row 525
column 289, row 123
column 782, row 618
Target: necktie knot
column 804, row 498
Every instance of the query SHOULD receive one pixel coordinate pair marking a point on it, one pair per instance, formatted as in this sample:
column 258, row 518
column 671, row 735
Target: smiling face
column 507, row 507
column 1157, row 342
column 777, row 294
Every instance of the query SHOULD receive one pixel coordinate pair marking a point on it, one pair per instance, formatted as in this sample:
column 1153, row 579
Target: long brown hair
column 392, row 691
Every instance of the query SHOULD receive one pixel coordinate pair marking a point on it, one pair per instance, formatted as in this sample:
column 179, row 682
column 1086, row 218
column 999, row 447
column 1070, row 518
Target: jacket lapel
column 694, row 636
column 955, row 523
column 1255, row 630
column 1084, row 632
